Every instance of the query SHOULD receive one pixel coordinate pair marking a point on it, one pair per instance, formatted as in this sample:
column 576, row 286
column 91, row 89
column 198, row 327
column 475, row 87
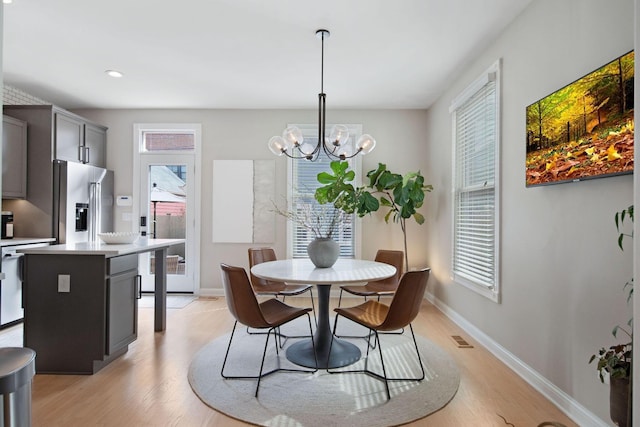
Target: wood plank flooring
column 148, row 385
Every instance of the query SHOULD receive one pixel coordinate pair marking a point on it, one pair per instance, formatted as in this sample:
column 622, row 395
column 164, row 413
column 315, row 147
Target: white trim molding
column 573, row 409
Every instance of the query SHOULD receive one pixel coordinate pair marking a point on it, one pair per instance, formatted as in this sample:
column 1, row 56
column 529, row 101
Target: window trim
column 355, row 130
column 493, row 73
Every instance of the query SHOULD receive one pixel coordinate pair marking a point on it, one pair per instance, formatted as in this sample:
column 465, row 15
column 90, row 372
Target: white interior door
column 167, row 195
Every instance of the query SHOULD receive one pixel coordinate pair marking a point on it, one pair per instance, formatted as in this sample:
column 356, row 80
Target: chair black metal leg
column 415, row 343
column 313, row 307
column 384, row 370
column 228, row 347
column 264, row 353
column 384, row 376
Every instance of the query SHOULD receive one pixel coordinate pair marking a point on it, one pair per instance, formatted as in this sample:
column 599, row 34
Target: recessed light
column 114, row 73
column 7, row 1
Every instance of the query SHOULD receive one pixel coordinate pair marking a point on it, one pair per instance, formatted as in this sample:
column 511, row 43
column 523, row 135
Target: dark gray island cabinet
column 80, row 303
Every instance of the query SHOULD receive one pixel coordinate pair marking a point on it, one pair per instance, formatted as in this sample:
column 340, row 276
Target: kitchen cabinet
column 123, row 288
column 59, row 134
column 14, row 158
column 80, row 306
column 95, row 145
column 80, row 310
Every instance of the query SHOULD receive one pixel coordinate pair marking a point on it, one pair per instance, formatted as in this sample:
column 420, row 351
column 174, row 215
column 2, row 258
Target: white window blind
column 476, row 145
column 303, row 183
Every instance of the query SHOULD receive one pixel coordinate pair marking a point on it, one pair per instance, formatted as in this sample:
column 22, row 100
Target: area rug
column 323, row 399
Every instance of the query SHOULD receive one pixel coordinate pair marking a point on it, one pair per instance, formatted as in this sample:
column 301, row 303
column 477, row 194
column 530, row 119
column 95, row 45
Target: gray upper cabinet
column 14, row 158
column 95, row 145
column 68, row 137
column 60, row 134
column 80, row 141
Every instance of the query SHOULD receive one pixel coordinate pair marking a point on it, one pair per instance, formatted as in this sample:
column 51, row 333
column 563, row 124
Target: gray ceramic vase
column 323, row 252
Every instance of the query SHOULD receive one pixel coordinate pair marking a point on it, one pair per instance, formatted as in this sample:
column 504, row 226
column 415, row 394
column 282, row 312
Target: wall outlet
column 64, row 283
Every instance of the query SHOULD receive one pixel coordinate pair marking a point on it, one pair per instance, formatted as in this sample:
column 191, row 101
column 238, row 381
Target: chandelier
column 336, row 146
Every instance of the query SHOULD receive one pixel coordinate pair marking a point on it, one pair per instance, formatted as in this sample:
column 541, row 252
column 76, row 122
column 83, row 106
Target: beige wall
column 562, row 274
column 243, row 135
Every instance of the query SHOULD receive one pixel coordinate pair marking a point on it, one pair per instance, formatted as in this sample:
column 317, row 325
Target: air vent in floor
column 461, row 342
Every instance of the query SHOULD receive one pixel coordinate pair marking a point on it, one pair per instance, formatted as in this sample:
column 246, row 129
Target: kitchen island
column 80, row 302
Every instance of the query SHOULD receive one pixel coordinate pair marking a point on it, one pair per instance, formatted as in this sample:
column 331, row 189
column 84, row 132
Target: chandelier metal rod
column 291, row 141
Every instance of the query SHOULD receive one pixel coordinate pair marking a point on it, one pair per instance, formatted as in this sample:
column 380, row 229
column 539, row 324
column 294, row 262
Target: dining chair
column 272, row 288
column 269, row 315
column 384, row 287
column 379, row 317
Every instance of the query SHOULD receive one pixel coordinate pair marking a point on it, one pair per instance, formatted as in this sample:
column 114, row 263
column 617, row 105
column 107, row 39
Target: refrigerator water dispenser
column 82, row 214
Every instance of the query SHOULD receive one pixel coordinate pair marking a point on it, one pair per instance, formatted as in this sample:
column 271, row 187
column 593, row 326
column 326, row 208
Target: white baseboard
column 574, row 410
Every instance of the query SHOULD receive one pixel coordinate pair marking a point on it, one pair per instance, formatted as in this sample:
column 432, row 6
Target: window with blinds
column 476, row 115
column 302, row 185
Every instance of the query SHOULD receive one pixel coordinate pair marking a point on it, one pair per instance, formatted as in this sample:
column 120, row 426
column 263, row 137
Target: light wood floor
column 148, row 385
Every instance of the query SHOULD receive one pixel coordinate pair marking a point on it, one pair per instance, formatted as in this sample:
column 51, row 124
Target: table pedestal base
column 343, row 353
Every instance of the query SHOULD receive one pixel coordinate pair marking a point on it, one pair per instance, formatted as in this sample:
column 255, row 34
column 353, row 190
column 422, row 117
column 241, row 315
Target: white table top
column 343, row 271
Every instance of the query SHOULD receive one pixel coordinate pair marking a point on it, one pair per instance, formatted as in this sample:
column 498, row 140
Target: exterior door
column 167, row 200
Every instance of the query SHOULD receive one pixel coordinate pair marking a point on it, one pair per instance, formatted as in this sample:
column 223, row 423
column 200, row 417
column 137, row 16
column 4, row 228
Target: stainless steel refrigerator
column 82, row 202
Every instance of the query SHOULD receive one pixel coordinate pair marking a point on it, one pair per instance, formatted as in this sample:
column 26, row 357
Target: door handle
column 138, row 289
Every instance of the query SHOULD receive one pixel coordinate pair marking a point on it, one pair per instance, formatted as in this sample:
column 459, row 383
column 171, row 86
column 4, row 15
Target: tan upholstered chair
column 378, row 317
column 385, row 287
column 269, row 315
column 269, row 287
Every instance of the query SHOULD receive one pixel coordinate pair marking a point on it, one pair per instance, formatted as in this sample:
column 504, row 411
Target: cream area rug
column 323, row 399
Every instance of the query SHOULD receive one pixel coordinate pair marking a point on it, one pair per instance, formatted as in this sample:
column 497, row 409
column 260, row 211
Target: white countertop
column 25, row 241
column 100, row 248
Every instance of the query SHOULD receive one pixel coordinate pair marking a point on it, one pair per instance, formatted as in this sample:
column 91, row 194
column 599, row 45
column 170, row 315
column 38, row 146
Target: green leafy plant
column 616, row 361
column 402, row 195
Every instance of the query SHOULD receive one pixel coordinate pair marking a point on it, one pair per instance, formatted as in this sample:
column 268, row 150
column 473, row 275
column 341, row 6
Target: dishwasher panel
column 11, row 309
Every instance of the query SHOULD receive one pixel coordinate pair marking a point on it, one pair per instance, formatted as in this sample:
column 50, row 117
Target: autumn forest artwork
column 585, row 129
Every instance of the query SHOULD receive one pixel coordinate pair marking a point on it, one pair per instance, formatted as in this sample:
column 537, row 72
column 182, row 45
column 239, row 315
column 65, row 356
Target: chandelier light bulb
column 277, row 145
column 339, row 135
column 366, row 144
column 293, row 136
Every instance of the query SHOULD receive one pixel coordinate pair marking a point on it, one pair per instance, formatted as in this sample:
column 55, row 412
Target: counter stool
column 17, row 368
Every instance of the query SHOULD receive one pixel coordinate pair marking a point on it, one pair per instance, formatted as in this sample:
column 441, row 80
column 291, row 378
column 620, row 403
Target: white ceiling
column 245, row 53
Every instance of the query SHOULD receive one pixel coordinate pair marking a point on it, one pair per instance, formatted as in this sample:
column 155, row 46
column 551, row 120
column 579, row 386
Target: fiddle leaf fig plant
column 617, row 360
column 401, row 194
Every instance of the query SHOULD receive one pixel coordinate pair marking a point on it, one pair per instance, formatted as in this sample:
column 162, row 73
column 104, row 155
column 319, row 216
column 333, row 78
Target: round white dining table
column 344, row 271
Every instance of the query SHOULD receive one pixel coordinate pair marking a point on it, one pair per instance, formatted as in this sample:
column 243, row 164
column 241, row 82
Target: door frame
column 138, row 129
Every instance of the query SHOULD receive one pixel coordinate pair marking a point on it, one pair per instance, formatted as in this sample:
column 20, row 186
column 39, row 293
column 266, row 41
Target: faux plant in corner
column 401, row 194
column 616, row 361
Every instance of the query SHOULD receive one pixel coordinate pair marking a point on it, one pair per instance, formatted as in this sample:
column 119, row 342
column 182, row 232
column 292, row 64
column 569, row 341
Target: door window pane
column 168, row 212
column 168, row 141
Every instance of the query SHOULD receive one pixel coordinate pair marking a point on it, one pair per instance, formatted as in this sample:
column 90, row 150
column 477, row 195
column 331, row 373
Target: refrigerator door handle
column 87, row 153
column 95, row 197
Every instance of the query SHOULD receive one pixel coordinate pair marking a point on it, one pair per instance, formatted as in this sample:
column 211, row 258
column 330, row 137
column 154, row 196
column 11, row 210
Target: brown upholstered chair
column 385, row 287
column 378, row 317
column 269, row 287
column 269, row 315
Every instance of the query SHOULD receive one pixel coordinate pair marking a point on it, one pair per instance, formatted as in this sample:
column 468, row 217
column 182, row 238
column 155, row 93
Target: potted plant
column 616, row 361
column 401, row 194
